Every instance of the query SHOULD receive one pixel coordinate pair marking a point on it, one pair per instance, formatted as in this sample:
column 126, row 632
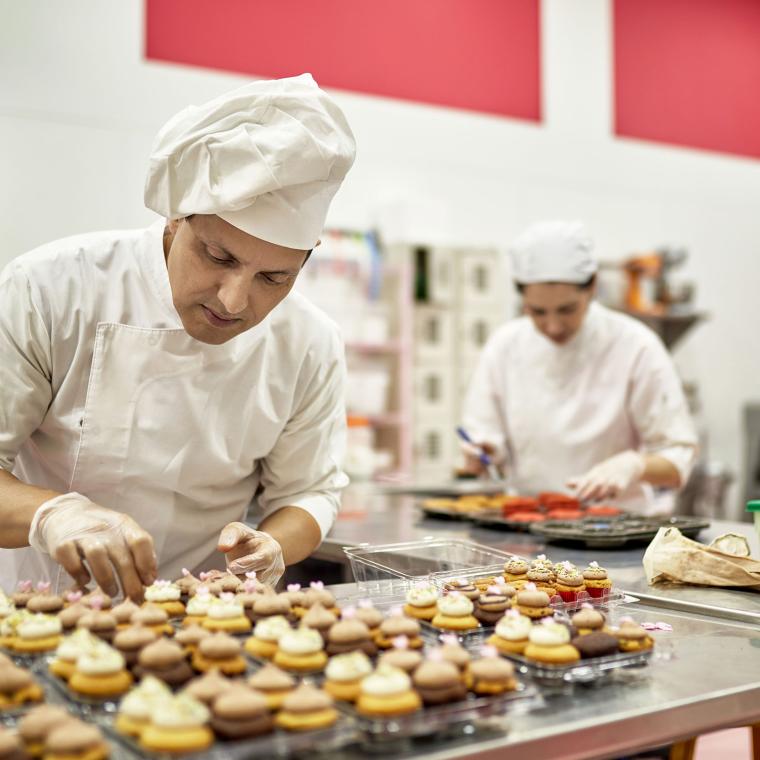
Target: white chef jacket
column 103, row 392
column 554, row 411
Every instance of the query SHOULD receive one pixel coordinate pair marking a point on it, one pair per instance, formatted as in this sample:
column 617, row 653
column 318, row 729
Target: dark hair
column 580, row 285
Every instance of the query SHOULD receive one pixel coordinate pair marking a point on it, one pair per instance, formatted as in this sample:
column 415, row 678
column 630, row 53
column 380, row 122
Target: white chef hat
column 267, row 157
column 553, row 251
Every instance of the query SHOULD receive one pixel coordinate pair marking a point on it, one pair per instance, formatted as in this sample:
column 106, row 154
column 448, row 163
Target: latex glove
column 248, row 549
column 610, row 477
column 74, row 530
column 474, row 465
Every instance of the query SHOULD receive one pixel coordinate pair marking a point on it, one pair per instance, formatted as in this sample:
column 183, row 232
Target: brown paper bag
column 673, row 557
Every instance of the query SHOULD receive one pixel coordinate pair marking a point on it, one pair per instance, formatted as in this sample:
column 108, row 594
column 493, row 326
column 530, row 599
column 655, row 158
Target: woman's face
column 557, row 309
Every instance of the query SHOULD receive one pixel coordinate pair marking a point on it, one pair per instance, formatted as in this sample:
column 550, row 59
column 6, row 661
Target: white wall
column 79, row 106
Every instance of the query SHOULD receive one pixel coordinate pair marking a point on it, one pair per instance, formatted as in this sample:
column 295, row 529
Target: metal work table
column 712, row 681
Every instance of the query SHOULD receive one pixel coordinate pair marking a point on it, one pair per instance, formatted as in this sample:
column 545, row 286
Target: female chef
column 573, row 394
column 152, row 382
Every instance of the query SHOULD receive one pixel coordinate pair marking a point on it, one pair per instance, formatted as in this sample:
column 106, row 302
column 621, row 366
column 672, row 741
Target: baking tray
column 614, row 532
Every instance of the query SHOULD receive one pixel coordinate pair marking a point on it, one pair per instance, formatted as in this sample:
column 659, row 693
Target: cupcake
column 211, row 580
column 129, row 642
column 100, row 672
column 569, row 583
column 397, row 624
column 178, row 725
column 24, row 592
column 197, row 606
column 73, row 611
column 246, row 597
column 123, row 613
column 543, row 579
column 219, row 651
column 9, row 626
column 511, row 634
column 491, row 606
column 97, row 599
column 401, row 656
column 300, row 650
column 596, row 580
column 370, row 616
column 76, row 740
column 136, row 708
column 17, row 687
column 318, row 593
column 490, row 674
column 596, row 644
column 274, row 684
column 438, row 682
column 165, row 594
column 463, row 586
column 516, row 572
column 269, row 605
column 36, row 725
column 187, row 583
column 45, row 602
column 421, row 602
column 350, row 635
column 165, row 660
column 189, row 638
column 588, row 620
column 225, row 614
column 305, row 709
column 38, row 633
column 344, row 673
column 208, row 687
column 230, row 583
column 239, row 713
column 533, row 603
column 550, row 644
column 98, row 622
column 455, row 613
column 318, row 618
column 452, row 651
column 297, row 599
column 632, row 637
column 387, row 693
column 542, row 562
column 69, row 650
column 266, row 634
column 10, row 746
column 6, row 606
column 155, row 618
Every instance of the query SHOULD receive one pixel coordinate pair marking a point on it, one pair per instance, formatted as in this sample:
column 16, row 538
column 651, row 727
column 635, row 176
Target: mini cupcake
column 197, row 606
column 397, row 624
column 136, row 708
column 36, row 725
column 99, row 622
column 68, row 651
column 542, row 561
column 632, row 637
column 100, row 672
column 455, row 613
column 387, row 693
column 533, row 603
column 266, row 634
column 166, row 595
column 569, row 583
column 246, row 597
column 211, row 581
column 511, row 634
column 189, row 638
column 9, row 626
column 463, row 586
column 178, row 725
column 17, row 687
column 187, row 583
column 275, row 684
column 38, row 633
column 72, row 611
column 300, row 650
column 129, row 642
column 269, row 605
column 6, row 606
column 45, row 602
column 165, row 660
column 297, row 599
column 401, row 656
column 230, row 583
column 344, row 673
column 596, row 644
column 123, row 613
column 438, row 682
column 370, row 616
column 550, row 643
column 227, row 615
column 240, row 713
column 490, row 674
column 588, row 620
column 596, row 580
column 452, row 651
column 24, row 592
column 318, row 618
column 76, row 740
column 350, row 635
column 11, row 747
column 318, row 593
column 307, row 708
column 481, row 584
column 97, row 599
column 219, row 651
column 543, row 579
column 155, row 618
column 516, row 572
column 491, row 606
column 208, row 687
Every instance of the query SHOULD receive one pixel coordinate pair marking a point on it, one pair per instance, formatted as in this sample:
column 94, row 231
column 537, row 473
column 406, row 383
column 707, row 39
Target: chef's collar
column 581, row 337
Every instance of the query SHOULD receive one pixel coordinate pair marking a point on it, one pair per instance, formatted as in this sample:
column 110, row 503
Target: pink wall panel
column 687, row 72
column 480, row 55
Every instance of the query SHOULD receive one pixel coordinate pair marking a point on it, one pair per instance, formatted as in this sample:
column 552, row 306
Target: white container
column 433, row 333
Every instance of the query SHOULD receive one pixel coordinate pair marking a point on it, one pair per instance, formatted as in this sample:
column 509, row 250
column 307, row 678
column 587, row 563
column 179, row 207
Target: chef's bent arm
column 302, row 476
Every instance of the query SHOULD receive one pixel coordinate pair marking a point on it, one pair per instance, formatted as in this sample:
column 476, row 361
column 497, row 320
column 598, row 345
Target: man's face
column 557, row 309
column 223, row 280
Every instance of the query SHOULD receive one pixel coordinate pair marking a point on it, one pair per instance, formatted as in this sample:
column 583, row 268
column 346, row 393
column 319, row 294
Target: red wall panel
column 480, row 55
column 687, row 72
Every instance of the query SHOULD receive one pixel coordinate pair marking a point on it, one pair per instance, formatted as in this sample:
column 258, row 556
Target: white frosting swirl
column 271, row 628
column 222, row 609
column 181, row 711
column 144, row 698
column 301, row 641
column 422, row 596
column 162, row 592
column 79, row 642
column 198, row 605
column 456, row 605
column 385, row 681
column 514, row 628
column 9, row 624
column 6, row 606
column 549, row 635
column 348, row 667
column 100, row 661
column 39, row 626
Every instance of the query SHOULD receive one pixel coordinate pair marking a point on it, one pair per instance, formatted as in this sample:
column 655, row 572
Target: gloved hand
column 474, row 465
column 73, row 530
column 610, row 477
column 248, row 549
